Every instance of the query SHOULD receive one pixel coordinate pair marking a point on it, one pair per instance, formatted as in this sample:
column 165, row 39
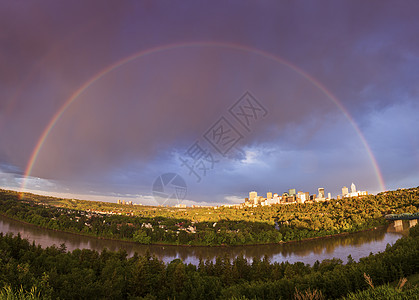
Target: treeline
column 85, row 274
column 222, row 226
column 399, row 201
column 141, row 229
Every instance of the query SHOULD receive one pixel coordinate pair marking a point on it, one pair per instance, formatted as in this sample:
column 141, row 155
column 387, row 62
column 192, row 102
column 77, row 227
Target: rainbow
column 238, row 47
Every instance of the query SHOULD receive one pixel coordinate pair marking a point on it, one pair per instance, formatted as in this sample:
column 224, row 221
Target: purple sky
column 138, row 120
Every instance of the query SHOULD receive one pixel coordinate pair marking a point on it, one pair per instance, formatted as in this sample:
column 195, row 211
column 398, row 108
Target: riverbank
column 193, row 246
column 357, row 245
column 208, row 226
column 231, row 274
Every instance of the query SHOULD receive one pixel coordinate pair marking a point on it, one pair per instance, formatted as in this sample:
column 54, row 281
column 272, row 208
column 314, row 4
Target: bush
column 414, row 231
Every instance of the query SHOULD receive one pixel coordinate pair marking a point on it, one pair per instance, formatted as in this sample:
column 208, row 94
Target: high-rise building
column 269, row 195
column 303, row 197
column 329, row 196
column 119, row 201
column 291, row 192
column 252, row 196
column 353, row 188
column 321, row 193
column 345, row 191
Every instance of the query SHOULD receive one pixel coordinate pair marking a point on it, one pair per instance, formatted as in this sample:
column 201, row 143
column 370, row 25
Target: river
column 357, row 245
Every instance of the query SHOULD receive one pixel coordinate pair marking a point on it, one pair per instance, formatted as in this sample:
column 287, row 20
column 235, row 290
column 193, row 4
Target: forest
column 208, row 226
column 31, row 272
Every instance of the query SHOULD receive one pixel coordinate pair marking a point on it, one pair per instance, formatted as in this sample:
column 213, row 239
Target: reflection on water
column 357, row 245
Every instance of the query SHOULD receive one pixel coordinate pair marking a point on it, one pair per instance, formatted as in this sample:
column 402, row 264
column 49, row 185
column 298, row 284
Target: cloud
column 15, row 182
column 394, row 135
column 132, row 124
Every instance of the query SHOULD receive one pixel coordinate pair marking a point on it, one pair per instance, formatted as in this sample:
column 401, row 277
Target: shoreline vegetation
column 32, row 272
column 205, row 226
column 181, row 245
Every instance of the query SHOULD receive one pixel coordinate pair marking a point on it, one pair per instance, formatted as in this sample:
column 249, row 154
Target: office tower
column 291, row 192
column 269, row 195
column 329, row 196
column 353, row 188
column 321, row 193
column 345, row 191
column 303, row 196
column 252, row 196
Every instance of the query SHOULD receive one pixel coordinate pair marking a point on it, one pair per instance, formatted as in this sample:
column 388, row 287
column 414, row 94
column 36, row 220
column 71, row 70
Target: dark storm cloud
column 43, row 50
column 135, row 119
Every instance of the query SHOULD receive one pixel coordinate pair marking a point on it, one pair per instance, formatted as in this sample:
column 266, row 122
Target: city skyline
column 291, row 196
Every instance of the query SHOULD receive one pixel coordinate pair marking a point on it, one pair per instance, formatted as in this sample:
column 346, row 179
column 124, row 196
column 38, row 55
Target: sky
column 200, row 102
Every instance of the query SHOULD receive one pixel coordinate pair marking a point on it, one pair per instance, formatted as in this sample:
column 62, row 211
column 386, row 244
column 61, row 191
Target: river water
column 357, row 245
